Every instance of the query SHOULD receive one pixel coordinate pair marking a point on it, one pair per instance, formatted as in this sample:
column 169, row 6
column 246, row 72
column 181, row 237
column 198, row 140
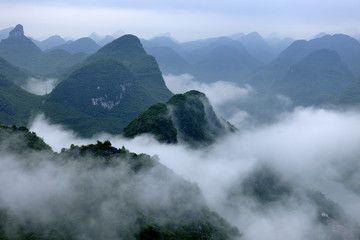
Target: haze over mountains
column 266, row 129
column 314, row 72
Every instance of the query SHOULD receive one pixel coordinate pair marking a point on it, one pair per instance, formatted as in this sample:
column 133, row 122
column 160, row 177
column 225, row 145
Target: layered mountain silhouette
column 347, row 47
column 225, row 63
column 104, row 92
column 208, row 60
column 170, row 62
column 50, row 42
column 20, row 51
column 315, row 79
column 4, row 33
column 85, row 45
column 257, row 47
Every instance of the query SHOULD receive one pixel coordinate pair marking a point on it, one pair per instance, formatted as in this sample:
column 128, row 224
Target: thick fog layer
column 312, row 149
column 39, row 86
column 87, row 200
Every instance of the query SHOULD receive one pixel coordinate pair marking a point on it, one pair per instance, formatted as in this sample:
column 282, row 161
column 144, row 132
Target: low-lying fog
column 40, row 86
column 310, row 147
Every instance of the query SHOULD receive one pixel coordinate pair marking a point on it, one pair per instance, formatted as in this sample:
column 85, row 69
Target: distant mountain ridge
column 316, row 79
column 85, row 44
column 50, row 42
column 104, row 92
column 347, row 48
column 20, row 51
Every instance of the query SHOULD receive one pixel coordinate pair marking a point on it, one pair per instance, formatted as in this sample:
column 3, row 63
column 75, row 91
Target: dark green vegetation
column 108, row 89
column 16, row 104
column 97, row 191
column 11, row 72
column 20, row 139
column 157, row 121
column 102, row 93
column 186, row 117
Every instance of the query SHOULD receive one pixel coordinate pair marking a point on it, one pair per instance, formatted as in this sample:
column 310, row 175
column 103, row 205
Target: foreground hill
column 187, row 117
column 98, row 192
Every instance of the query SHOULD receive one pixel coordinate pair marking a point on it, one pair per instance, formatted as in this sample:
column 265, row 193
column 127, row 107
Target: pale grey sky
column 185, row 19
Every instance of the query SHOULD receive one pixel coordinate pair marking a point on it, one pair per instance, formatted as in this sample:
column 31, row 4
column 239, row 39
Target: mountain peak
column 125, row 48
column 17, row 32
column 187, row 117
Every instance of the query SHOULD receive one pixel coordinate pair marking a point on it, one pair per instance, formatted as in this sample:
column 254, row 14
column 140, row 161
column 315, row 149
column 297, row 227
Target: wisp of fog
column 310, row 148
column 39, row 86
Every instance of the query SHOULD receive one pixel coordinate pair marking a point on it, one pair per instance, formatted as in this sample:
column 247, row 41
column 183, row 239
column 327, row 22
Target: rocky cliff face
column 17, row 32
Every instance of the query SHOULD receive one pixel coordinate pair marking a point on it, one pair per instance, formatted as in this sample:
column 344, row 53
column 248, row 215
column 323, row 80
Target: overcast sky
column 185, row 19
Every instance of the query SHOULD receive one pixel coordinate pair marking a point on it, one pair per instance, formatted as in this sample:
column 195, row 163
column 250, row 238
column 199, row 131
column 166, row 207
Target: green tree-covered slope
column 187, row 117
column 16, row 104
column 97, row 191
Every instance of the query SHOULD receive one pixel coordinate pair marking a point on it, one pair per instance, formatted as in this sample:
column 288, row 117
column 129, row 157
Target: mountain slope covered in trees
column 187, row 117
column 97, row 191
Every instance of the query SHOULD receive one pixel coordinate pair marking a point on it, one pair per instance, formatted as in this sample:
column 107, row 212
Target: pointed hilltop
column 129, row 51
column 22, row 52
column 108, row 89
column 187, row 117
column 18, row 49
column 257, row 47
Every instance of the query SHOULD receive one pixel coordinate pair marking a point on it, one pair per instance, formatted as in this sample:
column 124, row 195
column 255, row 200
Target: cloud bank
column 313, row 149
